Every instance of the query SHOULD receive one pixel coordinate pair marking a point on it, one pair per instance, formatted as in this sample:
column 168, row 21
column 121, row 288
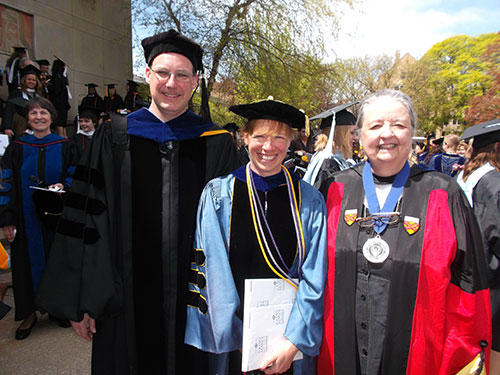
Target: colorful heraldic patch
column 350, row 216
column 412, row 224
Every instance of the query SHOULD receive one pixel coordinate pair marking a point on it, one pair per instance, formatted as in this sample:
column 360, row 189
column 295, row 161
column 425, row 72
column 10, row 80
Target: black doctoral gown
column 486, row 198
column 124, row 243
column 82, row 143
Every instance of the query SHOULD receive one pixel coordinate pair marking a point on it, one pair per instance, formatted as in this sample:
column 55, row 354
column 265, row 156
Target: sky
column 410, row 26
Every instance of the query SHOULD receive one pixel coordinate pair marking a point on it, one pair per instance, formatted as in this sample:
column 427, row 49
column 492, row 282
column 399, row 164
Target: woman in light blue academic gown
column 259, row 222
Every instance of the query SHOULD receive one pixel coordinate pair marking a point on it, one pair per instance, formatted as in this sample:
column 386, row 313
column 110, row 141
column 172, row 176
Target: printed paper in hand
column 267, row 307
column 4, row 142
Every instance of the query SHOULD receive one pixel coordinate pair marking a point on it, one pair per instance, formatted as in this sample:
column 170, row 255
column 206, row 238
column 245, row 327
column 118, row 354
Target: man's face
column 44, row 69
column 91, row 91
column 170, row 96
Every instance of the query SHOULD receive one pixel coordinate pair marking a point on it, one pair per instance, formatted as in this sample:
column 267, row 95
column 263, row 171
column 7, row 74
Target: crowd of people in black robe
column 26, row 79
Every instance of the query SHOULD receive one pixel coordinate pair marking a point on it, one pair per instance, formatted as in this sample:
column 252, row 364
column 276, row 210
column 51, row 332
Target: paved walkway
column 49, row 350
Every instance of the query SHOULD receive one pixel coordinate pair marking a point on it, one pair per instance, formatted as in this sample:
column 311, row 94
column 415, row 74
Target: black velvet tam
column 173, row 41
column 271, row 110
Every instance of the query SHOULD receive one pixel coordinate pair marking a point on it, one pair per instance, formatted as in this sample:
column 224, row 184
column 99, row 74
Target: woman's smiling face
column 386, row 135
column 267, row 146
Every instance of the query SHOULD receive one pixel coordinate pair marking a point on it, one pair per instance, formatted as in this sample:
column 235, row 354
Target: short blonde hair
column 452, row 140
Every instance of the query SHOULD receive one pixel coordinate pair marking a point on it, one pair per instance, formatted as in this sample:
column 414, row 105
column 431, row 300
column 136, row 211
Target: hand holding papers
column 267, row 307
column 4, row 142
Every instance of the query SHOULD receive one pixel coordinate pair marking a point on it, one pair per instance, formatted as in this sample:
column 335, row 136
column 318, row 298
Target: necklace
column 375, row 249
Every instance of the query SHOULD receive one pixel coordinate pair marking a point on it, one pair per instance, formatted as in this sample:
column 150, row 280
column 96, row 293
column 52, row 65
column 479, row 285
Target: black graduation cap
column 58, row 59
column 271, row 110
column 90, row 85
column 19, row 49
column 110, row 85
column 438, row 141
column 30, row 69
column 342, row 116
column 173, row 41
column 483, row 134
column 231, row 127
column 132, row 84
column 88, row 112
column 43, row 62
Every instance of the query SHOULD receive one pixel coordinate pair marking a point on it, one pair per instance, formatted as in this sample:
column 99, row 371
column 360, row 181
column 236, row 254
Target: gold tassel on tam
column 308, row 126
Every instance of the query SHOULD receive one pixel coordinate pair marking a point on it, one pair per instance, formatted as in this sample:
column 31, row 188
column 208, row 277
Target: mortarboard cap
column 42, row 62
column 438, row 141
column 88, row 112
column 132, row 83
column 271, row 110
column 483, row 134
column 342, row 116
column 110, row 85
column 30, row 69
column 231, row 127
column 90, row 85
column 59, row 60
column 173, row 41
column 19, row 49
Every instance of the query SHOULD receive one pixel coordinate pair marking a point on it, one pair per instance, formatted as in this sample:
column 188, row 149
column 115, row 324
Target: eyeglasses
column 180, row 76
column 380, row 218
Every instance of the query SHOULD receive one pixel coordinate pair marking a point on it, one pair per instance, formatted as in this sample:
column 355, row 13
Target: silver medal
column 376, row 250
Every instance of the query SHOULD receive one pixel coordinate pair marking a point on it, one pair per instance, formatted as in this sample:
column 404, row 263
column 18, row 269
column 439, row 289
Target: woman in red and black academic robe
column 407, row 291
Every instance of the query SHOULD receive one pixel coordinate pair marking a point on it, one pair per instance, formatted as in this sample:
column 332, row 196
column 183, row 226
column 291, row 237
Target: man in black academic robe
column 121, row 257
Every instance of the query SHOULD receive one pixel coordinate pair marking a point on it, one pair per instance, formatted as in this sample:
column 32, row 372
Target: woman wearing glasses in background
column 406, row 289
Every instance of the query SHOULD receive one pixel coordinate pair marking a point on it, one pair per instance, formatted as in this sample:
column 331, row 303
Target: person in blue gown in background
column 41, row 159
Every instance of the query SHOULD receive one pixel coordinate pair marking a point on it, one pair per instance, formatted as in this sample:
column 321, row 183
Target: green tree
column 223, row 26
column 427, row 97
column 352, row 79
column 455, row 70
column 285, row 73
column 486, row 107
